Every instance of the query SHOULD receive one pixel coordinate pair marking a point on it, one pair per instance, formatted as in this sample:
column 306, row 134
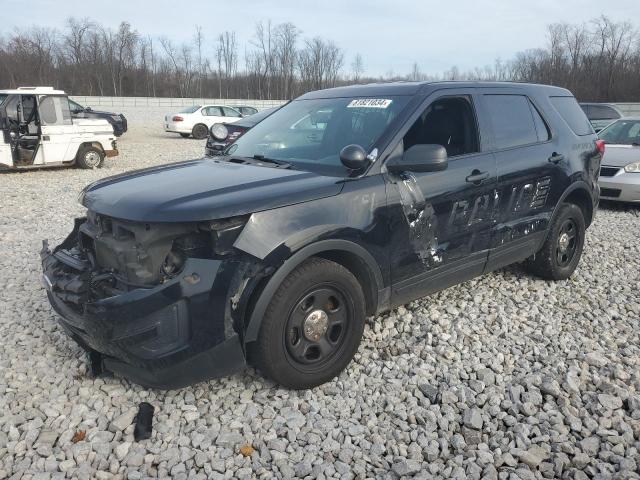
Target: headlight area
column 632, row 167
column 157, row 303
column 118, row 256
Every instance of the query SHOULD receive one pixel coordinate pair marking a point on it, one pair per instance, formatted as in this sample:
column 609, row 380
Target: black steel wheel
column 312, row 327
column 562, row 249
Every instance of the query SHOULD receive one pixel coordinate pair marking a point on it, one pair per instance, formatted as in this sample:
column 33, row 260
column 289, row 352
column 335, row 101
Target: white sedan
column 197, row 120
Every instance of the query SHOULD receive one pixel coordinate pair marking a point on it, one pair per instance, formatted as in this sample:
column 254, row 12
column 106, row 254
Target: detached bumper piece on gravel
column 160, row 337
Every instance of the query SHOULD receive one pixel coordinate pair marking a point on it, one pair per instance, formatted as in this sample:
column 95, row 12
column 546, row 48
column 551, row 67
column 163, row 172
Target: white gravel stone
column 504, row 376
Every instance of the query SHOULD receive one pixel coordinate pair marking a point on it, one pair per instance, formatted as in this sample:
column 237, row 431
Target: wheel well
column 197, row 125
column 97, row 145
column 581, row 198
column 360, row 270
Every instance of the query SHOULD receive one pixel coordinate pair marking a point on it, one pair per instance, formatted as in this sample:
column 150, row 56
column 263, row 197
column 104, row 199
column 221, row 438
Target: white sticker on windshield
column 369, row 103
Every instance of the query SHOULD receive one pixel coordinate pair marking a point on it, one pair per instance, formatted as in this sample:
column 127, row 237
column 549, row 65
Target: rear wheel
column 185, row 135
column 90, row 157
column 200, row 131
column 312, row 327
column 562, row 249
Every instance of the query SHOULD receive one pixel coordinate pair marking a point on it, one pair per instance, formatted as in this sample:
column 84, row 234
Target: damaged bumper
column 167, row 336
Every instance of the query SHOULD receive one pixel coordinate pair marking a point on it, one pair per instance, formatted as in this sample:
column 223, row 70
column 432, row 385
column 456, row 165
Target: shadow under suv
column 342, row 204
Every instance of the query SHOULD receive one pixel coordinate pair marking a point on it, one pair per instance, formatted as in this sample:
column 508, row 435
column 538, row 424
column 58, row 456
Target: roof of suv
column 33, row 91
column 413, row 88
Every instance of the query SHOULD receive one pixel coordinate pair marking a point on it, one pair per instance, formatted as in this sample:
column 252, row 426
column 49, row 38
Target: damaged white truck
column 38, row 131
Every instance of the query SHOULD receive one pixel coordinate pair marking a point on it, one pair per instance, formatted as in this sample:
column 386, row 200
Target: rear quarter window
column 571, row 112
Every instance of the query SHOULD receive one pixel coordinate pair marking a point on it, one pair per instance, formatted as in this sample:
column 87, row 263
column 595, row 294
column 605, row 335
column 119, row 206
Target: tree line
column 598, row 61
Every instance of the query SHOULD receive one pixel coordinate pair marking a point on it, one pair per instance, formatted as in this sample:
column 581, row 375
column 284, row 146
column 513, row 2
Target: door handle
column 556, row 157
column 477, row 177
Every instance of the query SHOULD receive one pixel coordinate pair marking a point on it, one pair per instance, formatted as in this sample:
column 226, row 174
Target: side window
column 28, row 108
column 512, row 120
column 55, row 111
column 541, row 127
column 230, row 112
column 212, row 112
column 450, row 122
column 602, row 112
column 571, row 112
column 12, row 109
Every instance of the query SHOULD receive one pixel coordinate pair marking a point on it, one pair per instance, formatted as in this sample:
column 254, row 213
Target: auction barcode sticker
column 369, row 103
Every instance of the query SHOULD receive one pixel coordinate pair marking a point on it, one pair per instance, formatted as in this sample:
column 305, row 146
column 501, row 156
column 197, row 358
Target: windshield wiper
column 279, row 163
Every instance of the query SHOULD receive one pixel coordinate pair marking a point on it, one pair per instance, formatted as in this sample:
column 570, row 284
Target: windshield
column 75, row 106
column 624, row 132
column 190, row 109
column 311, row 133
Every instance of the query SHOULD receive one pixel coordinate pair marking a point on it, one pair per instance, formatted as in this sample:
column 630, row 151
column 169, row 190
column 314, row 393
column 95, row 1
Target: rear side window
column 212, row 112
column 571, row 112
column 230, row 112
column 602, row 112
column 512, row 120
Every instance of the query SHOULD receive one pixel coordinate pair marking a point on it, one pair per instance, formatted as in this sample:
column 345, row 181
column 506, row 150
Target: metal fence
column 161, row 102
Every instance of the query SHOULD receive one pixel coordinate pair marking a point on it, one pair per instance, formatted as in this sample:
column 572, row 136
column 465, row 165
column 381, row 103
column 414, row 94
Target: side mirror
column 354, row 157
column 88, row 109
column 420, row 158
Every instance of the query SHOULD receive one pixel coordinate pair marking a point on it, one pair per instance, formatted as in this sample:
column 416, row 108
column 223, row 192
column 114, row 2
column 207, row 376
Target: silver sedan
column 620, row 170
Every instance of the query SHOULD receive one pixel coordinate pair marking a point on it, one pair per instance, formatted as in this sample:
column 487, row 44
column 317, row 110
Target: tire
column 185, row 135
column 561, row 251
column 200, row 131
column 313, row 326
column 89, row 157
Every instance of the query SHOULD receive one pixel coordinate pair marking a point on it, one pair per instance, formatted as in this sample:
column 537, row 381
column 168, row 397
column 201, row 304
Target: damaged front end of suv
column 140, row 296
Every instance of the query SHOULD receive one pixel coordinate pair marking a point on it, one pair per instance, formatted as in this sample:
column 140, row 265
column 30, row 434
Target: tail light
column 600, row 146
column 177, row 118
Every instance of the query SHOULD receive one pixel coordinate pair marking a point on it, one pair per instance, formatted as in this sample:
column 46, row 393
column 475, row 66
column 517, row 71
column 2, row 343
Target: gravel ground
column 505, row 376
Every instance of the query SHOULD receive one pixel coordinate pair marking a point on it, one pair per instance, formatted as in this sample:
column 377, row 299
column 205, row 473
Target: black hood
column 200, row 190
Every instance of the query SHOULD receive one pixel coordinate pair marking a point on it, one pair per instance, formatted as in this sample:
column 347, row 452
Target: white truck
column 36, row 130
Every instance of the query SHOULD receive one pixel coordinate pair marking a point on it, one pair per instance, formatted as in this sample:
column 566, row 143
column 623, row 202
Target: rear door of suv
column 530, row 169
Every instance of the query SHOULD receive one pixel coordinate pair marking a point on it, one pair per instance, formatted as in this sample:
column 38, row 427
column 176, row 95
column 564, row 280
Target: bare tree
column 357, row 68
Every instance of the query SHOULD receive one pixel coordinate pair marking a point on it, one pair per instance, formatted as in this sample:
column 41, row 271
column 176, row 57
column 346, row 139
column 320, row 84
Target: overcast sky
column 389, row 34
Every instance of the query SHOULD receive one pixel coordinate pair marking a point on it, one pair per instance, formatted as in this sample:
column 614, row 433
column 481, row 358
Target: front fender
column 330, row 245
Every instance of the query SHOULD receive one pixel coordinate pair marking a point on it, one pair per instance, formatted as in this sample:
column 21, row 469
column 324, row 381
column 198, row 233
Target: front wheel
column 561, row 252
column 312, row 327
column 90, row 157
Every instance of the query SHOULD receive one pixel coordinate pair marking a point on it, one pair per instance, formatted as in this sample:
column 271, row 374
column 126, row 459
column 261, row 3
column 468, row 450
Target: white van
column 36, row 130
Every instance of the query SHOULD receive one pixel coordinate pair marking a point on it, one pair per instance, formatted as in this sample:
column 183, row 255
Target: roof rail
column 35, row 88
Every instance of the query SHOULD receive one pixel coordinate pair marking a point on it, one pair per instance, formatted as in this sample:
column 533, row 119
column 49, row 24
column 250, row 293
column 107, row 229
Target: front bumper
column 622, row 187
column 168, row 336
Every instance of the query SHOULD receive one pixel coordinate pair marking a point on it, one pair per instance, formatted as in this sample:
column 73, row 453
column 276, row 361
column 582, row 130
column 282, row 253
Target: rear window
column 2, row 97
column 571, row 112
column 512, row 120
column 190, row 109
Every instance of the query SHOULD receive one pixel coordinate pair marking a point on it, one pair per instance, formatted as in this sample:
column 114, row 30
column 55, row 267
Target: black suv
column 341, row 205
column 117, row 120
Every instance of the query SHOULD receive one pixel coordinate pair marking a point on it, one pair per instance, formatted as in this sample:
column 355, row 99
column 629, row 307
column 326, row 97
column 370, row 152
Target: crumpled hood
column 620, row 155
column 199, row 190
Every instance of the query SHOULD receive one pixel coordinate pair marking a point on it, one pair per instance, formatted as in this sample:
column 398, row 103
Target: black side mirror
column 420, row 158
column 354, row 157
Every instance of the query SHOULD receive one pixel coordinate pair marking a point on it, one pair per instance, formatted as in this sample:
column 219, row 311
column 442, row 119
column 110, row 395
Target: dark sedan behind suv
column 342, row 204
column 117, row 120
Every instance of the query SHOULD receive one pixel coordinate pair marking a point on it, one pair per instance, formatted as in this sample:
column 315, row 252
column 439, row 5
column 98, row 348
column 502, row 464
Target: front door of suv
column 440, row 221
column 530, row 173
